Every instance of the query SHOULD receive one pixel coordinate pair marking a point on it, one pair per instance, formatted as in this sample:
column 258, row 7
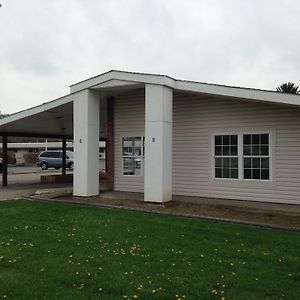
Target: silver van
column 53, row 159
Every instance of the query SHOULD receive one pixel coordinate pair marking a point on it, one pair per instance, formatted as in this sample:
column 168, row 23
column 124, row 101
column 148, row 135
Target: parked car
column 1, row 165
column 53, row 159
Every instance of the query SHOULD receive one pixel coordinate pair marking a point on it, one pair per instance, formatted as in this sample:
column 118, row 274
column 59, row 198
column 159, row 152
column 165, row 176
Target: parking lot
column 26, row 180
column 31, row 174
column 28, row 174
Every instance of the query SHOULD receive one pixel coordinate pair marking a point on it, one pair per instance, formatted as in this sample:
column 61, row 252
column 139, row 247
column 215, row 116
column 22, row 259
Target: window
column 256, row 156
column 226, row 156
column 133, row 155
column 50, row 154
column 55, row 154
column 242, row 156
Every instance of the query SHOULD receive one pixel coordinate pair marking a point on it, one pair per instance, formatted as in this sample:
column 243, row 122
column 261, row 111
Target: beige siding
column 195, row 121
column 129, row 121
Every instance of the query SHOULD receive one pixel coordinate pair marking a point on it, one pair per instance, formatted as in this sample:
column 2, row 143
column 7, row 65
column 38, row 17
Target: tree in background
column 2, row 115
column 289, row 88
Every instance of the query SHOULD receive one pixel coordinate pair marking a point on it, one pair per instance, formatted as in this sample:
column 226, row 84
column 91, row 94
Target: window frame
column 142, row 156
column 257, row 156
column 229, row 156
column 240, row 134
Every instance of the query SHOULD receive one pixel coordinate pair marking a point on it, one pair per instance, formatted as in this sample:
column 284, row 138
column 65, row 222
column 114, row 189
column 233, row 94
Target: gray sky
column 45, row 46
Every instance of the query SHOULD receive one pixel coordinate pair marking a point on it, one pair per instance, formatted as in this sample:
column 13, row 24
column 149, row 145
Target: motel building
column 169, row 137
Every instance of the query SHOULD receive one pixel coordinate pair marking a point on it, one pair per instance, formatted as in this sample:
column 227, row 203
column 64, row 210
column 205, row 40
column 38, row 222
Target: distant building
column 24, row 152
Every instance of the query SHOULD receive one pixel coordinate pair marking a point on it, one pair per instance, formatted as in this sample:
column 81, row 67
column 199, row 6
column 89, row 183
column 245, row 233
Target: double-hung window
column 133, row 155
column 256, row 156
column 243, row 156
column 226, row 156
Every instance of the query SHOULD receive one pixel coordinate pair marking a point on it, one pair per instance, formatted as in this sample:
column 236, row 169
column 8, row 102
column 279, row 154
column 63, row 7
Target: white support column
column 86, row 143
column 158, row 143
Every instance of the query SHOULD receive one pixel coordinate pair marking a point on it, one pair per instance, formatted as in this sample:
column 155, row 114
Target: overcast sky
column 45, row 46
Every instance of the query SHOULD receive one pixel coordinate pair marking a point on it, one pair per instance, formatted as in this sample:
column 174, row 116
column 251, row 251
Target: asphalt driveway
column 25, row 181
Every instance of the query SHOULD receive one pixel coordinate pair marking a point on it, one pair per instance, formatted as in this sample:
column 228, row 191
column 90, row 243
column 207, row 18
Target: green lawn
column 61, row 251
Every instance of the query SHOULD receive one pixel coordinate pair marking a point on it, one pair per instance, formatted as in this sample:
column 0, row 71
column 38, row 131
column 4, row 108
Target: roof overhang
column 118, row 79
column 55, row 118
column 51, row 119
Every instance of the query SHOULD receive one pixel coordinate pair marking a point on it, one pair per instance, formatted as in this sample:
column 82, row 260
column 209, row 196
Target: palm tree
column 289, row 88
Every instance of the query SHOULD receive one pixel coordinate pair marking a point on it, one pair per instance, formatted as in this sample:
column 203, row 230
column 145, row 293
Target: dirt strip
column 265, row 215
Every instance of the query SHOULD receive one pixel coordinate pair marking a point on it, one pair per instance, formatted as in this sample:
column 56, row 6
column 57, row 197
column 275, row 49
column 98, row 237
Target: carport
column 49, row 120
column 55, row 119
column 88, row 115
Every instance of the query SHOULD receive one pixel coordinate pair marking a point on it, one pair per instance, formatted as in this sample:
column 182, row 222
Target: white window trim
column 240, row 134
column 142, row 157
column 224, row 156
column 258, row 156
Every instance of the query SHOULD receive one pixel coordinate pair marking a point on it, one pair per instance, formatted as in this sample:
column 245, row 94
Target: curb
column 21, row 173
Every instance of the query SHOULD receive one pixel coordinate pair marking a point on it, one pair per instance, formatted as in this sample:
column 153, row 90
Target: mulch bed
column 191, row 207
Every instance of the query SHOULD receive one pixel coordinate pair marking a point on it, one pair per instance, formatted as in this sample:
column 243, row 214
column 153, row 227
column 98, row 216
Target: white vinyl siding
column 196, row 119
column 129, row 121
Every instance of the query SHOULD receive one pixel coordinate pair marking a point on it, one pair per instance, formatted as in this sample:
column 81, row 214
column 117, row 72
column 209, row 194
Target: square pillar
column 64, row 156
column 86, row 143
column 109, row 151
column 158, row 143
column 5, row 160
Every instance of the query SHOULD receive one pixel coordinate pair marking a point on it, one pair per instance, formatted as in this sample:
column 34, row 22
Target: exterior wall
column 19, row 154
column 129, row 120
column 195, row 121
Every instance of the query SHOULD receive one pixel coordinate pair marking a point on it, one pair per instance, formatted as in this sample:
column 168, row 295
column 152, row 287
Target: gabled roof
column 116, row 78
column 55, row 118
